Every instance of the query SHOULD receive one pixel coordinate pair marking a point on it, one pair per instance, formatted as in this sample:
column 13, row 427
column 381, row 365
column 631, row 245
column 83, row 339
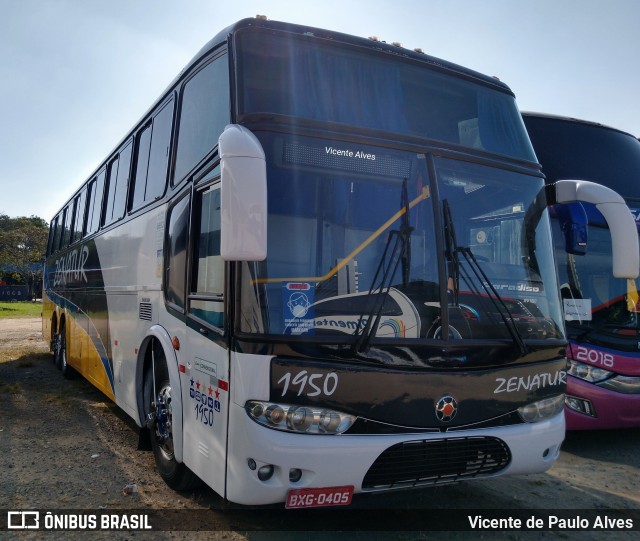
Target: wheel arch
column 159, row 334
column 54, row 329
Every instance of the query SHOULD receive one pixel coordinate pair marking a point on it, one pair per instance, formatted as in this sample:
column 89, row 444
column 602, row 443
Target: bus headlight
column 541, row 410
column 303, row 419
column 587, row 372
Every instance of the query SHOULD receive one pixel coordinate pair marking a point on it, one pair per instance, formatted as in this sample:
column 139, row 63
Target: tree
column 23, row 243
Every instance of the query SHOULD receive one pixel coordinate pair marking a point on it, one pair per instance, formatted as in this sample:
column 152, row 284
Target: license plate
column 318, row 497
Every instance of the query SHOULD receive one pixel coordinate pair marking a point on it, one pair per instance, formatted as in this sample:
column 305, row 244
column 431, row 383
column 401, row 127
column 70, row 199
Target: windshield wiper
column 400, row 253
column 452, row 251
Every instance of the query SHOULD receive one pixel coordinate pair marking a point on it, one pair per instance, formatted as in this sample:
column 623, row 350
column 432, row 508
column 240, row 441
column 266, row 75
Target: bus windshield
column 598, row 308
column 320, row 80
column 354, row 232
column 593, row 299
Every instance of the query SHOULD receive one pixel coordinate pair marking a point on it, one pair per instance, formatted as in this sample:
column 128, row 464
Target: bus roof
column 339, row 37
column 572, row 148
column 222, row 37
column 547, row 116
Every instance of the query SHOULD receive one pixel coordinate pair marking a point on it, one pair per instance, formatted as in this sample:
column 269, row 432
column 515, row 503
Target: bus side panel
column 205, row 395
column 83, row 355
column 131, row 256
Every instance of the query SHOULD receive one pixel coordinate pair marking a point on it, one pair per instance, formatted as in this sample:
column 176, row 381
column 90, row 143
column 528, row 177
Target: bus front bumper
column 345, row 460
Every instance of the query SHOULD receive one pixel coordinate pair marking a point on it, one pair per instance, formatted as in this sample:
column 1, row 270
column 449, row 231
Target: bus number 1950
column 204, row 414
column 310, row 384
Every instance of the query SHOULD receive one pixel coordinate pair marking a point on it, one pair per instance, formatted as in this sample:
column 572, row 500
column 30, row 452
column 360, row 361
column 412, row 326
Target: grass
column 20, row 309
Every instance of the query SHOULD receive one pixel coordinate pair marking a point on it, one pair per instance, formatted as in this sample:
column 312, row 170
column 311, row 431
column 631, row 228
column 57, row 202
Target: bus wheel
column 160, row 424
column 60, row 346
column 55, row 348
column 61, row 359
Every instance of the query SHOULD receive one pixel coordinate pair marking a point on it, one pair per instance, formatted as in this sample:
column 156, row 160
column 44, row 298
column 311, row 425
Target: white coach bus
column 322, row 265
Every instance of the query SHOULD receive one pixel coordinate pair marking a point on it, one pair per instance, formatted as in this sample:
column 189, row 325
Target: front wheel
column 160, row 422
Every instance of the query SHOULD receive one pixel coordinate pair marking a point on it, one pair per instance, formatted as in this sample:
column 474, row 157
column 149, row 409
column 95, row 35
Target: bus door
column 205, row 389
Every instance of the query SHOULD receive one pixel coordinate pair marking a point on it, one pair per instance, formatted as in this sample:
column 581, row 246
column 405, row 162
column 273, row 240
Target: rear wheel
column 55, row 347
column 160, row 422
column 61, row 357
column 59, row 346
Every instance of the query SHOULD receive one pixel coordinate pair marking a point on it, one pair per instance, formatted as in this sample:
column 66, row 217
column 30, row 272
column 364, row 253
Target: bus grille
column 433, row 462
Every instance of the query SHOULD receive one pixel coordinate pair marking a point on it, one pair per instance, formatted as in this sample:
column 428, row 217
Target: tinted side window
column 78, row 222
column 55, row 245
column 206, row 300
column 94, row 203
column 112, row 182
column 152, row 158
column 66, row 227
column 205, row 111
column 177, row 237
column 159, row 155
column 118, row 180
column 140, row 181
column 53, row 228
column 120, row 203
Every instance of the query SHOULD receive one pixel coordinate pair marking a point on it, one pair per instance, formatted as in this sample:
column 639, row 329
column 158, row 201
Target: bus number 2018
column 310, row 384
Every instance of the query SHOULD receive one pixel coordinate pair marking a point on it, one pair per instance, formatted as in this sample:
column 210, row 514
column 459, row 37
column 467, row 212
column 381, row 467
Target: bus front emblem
column 446, row 408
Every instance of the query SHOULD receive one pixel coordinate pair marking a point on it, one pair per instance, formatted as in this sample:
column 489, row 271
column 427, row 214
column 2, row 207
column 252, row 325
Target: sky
column 76, row 75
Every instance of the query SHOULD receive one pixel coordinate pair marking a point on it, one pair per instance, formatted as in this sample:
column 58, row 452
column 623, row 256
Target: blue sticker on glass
column 297, row 307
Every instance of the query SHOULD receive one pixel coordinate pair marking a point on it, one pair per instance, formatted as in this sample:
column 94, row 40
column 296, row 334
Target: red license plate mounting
column 299, row 498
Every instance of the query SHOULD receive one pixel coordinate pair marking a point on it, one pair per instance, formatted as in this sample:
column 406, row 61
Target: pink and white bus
column 601, row 312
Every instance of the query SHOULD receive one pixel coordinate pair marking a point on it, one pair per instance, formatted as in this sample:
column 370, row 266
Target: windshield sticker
column 395, row 327
column 348, row 153
column 526, row 287
column 577, row 309
column 297, row 307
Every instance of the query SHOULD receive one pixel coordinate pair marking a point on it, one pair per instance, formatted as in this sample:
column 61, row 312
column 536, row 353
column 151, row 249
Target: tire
column 59, row 343
column 55, row 348
column 160, row 422
column 61, row 357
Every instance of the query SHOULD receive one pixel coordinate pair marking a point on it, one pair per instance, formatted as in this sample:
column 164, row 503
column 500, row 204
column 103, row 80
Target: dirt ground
column 63, row 445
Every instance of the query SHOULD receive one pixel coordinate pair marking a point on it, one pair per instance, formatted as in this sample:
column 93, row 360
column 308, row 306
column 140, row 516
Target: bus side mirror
column 574, row 225
column 622, row 227
column 243, row 196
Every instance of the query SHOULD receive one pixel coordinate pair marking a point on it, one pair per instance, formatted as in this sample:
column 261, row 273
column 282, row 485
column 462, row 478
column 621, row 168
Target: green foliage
column 23, row 243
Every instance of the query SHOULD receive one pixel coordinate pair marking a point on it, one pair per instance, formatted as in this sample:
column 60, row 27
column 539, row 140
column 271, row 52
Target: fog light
column 580, row 405
column 265, row 472
column 295, row 474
